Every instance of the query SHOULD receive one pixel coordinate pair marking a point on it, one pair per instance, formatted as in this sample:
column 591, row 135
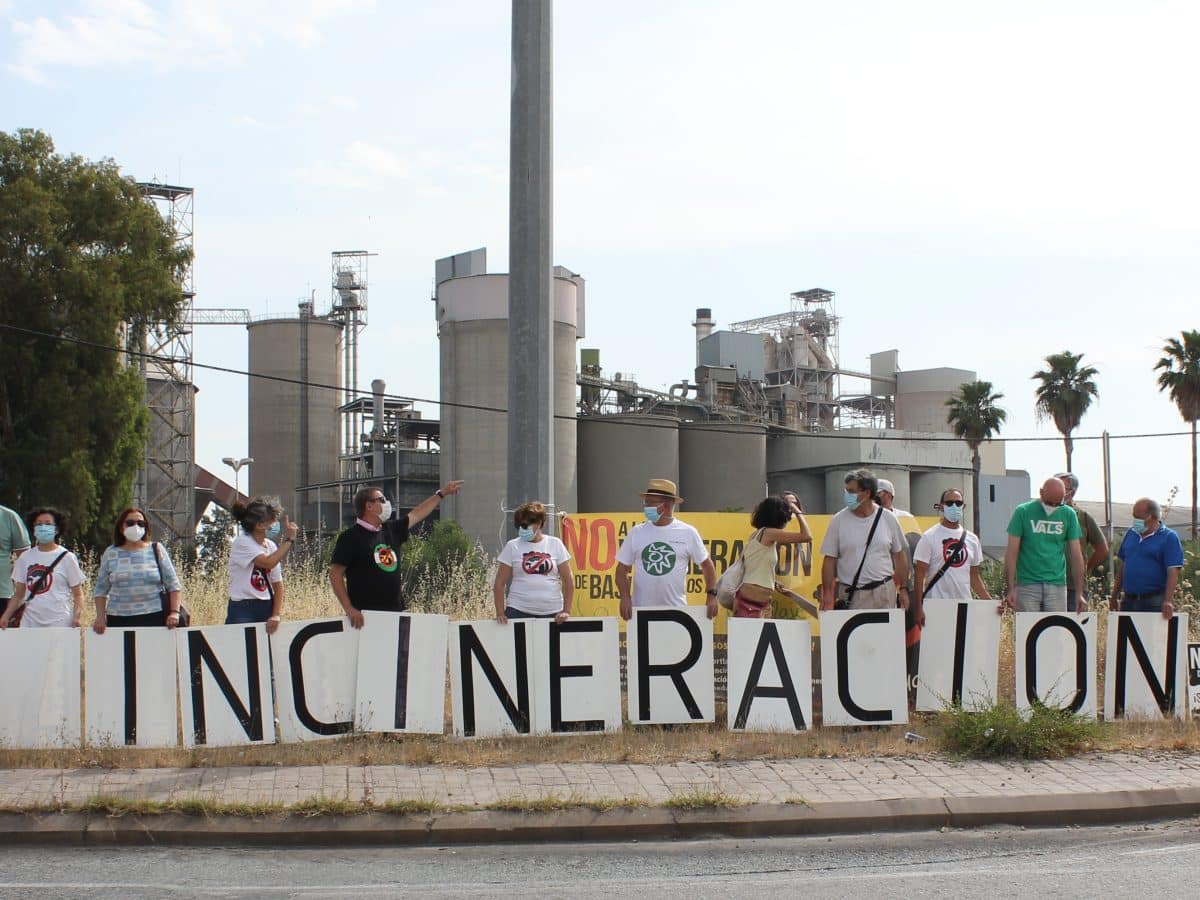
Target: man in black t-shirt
column 365, row 570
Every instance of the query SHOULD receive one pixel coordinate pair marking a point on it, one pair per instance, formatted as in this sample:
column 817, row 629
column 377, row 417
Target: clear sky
column 981, row 184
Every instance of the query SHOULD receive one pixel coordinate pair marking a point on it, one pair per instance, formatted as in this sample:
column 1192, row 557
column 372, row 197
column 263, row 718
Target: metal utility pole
column 530, row 253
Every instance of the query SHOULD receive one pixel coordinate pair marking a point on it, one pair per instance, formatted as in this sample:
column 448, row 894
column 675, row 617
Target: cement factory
column 764, row 409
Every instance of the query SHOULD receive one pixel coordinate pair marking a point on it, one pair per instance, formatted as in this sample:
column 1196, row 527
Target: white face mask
column 133, row 532
column 1048, row 508
column 385, row 511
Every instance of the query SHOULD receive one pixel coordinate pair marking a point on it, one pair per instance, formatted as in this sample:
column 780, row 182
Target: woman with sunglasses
column 132, row 573
column 46, row 577
column 947, row 559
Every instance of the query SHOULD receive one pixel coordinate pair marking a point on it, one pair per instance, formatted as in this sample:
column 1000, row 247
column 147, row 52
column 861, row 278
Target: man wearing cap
column 887, row 494
column 1148, row 564
column 659, row 552
column 1092, row 540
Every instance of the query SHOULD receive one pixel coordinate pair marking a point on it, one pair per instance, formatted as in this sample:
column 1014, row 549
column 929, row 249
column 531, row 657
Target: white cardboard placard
column 960, row 654
column 583, row 678
column 1146, row 666
column 39, row 707
column 133, row 700
column 225, row 685
column 669, row 661
column 491, row 679
column 769, row 683
column 1056, row 660
column 316, row 667
column 863, row 676
column 401, row 679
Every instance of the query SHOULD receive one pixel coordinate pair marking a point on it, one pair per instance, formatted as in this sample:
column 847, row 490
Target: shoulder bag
column 845, row 604
column 185, row 617
column 962, row 548
column 731, row 581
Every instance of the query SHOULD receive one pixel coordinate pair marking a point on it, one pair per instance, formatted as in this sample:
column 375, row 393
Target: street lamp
column 237, row 465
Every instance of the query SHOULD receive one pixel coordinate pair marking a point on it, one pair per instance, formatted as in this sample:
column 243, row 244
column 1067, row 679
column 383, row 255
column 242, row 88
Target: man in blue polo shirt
column 1148, row 564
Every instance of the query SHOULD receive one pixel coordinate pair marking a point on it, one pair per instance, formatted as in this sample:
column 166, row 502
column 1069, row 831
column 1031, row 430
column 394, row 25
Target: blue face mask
column 651, row 513
column 45, row 534
column 1138, row 526
column 850, row 499
column 273, row 531
column 953, row 513
column 525, row 533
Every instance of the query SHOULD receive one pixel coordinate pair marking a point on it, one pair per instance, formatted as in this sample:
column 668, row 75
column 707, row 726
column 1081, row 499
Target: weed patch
column 1001, row 730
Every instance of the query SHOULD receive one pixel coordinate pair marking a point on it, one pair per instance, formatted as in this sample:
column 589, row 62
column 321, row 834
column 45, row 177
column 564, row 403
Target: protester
column 1042, row 533
column 132, row 574
column 887, row 495
column 793, row 501
column 659, row 552
column 47, row 577
column 948, row 558
column 759, row 558
column 1092, row 545
column 1149, row 561
column 14, row 539
column 535, row 570
column 256, row 589
column 865, row 552
column 365, row 570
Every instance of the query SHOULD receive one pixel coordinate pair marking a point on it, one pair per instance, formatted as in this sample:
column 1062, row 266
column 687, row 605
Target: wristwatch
column 712, row 592
column 441, row 496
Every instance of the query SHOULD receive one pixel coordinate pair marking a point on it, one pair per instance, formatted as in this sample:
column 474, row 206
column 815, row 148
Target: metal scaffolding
column 165, row 486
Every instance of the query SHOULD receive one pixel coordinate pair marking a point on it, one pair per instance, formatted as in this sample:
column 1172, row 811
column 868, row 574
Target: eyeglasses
column 378, row 499
column 129, row 523
column 952, row 503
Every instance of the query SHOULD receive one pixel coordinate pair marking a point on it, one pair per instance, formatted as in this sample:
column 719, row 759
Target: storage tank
column 301, row 349
column 722, row 465
column 619, row 454
column 472, row 315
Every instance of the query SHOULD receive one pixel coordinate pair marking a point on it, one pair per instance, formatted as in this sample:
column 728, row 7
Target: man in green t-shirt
column 1042, row 534
column 13, row 540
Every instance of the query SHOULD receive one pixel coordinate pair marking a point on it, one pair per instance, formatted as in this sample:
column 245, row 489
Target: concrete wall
column 998, row 497
column 921, row 397
column 619, row 454
column 722, row 465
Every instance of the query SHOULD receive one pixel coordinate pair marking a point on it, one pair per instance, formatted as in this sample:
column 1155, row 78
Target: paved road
column 1161, row 859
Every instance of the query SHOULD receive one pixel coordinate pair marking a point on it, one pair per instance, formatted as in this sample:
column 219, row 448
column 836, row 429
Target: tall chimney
column 704, row 327
column 378, row 387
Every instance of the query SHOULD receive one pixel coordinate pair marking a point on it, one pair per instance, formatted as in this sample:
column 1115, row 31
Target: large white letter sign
column 39, row 706
column 863, row 675
column 1193, row 652
column 670, row 665
column 580, row 663
column 134, row 700
column 316, row 664
column 770, row 675
column 402, row 673
column 1056, row 661
column 225, row 685
column 960, row 654
column 501, row 654
column 1157, row 685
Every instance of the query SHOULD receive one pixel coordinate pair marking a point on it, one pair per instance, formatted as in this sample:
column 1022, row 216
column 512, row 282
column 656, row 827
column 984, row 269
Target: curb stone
column 583, row 824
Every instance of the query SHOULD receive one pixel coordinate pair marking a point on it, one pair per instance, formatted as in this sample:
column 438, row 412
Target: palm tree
column 1065, row 393
column 1180, row 377
column 975, row 417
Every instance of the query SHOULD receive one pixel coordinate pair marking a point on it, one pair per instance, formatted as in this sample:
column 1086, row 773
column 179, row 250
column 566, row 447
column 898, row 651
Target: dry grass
column 702, row 798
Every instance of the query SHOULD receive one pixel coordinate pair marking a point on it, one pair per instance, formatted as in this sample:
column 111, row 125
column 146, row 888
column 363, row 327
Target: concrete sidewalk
column 771, row 797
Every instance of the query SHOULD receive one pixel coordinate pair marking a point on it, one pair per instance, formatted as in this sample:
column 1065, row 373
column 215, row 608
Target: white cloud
column 330, row 175
column 376, row 160
column 166, row 35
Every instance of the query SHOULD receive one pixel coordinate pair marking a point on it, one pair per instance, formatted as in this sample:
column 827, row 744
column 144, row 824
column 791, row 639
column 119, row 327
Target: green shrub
column 1001, row 730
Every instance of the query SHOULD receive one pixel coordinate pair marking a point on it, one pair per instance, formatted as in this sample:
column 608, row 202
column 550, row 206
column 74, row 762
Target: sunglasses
column 129, row 523
column 952, row 503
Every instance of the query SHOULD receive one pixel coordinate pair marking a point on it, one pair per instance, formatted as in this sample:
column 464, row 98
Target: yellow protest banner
column 594, row 538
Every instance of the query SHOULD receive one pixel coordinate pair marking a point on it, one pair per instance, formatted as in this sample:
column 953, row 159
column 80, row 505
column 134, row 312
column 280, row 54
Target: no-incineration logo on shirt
column 535, row 562
column 658, row 558
column 385, row 558
column 954, row 552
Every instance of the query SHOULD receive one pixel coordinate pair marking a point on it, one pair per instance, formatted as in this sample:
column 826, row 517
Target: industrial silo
column 293, row 421
column 618, row 454
column 722, row 465
column 472, row 314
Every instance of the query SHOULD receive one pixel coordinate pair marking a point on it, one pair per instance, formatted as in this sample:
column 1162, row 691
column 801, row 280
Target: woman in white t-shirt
column 255, row 576
column 46, row 577
column 535, row 569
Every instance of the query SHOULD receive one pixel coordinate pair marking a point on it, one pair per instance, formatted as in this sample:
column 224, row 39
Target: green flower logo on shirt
column 658, row 558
